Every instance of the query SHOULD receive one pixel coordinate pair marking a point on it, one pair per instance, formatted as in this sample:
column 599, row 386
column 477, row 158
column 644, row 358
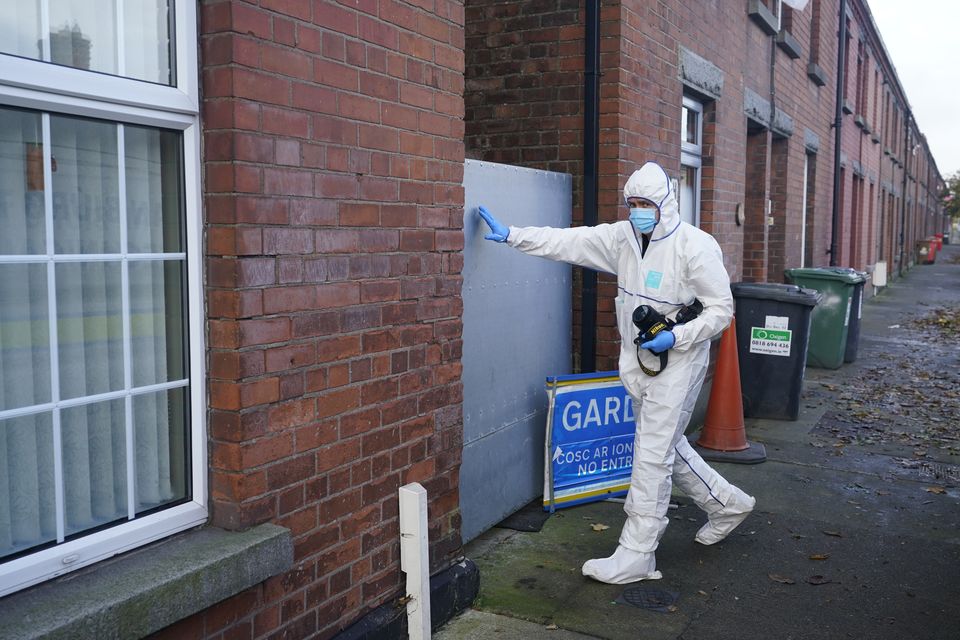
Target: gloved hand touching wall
column 660, row 343
column 498, row 229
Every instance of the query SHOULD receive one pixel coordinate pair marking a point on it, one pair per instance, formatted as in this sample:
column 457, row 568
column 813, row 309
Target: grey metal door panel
column 516, row 331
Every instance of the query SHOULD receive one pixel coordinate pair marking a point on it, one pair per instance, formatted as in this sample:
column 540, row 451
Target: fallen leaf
column 937, row 490
column 835, row 534
column 702, row 592
column 820, row 556
column 781, row 579
column 672, row 608
column 818, row 580
column 599, row 527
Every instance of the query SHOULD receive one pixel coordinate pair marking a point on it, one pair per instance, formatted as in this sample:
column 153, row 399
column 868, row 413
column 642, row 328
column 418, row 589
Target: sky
column 920, row 37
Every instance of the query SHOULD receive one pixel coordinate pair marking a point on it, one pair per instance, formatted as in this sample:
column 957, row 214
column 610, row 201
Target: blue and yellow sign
column 589, row 443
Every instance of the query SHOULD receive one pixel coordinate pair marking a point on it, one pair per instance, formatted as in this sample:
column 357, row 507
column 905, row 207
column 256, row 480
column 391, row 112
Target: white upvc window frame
column 691, row 153
column 63, row 90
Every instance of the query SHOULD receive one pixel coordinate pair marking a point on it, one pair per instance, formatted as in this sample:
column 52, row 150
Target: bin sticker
column 777, row 322
column 770, row 342
column 846, row 318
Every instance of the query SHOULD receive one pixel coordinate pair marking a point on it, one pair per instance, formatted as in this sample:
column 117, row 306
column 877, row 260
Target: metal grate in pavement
column 649, row 598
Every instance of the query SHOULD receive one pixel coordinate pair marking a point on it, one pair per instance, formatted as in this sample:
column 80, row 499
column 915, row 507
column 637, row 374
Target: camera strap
column 650, row 323
column 647, row 370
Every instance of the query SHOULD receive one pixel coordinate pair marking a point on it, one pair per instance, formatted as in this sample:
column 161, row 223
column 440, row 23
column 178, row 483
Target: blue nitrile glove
column 660, row 343
column 500, row 232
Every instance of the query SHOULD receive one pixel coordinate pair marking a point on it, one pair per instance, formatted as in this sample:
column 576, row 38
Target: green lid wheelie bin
column 856, row 312
column 830, row 320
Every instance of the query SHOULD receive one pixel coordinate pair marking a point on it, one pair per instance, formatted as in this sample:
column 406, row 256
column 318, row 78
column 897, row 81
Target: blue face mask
column 644, row 219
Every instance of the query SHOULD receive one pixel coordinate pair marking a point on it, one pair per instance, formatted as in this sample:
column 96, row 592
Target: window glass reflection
column 130, row 38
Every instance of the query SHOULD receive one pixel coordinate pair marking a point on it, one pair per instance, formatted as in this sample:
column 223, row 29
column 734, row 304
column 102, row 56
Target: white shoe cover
column 623, row 567
column 723, row 522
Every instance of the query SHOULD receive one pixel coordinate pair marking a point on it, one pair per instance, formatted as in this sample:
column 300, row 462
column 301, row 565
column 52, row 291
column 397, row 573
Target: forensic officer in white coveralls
column 665, row 263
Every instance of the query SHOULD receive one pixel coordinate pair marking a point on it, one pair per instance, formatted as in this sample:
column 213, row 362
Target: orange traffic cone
column 723, row 437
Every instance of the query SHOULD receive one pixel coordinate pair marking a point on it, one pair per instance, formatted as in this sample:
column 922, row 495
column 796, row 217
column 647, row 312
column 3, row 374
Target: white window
column 691, row 159
column 101, row 347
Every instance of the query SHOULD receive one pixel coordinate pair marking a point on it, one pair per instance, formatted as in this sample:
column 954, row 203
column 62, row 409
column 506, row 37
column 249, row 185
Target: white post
column 415, row 558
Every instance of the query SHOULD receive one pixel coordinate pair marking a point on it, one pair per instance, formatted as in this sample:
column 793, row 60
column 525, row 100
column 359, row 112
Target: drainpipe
column 591, row 162
column 908, row 115
column 837, row 126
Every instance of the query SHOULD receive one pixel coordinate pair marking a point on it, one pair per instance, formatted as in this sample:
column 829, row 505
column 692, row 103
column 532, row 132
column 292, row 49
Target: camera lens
column 640, row 315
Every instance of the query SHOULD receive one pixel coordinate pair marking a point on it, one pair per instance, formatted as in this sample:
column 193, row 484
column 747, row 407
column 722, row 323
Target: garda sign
column 589, row 444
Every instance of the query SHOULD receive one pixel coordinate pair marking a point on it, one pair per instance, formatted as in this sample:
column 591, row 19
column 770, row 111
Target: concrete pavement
column 856, row 533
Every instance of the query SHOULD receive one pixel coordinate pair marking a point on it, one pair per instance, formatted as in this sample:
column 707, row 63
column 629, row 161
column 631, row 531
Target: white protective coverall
column 681, row 263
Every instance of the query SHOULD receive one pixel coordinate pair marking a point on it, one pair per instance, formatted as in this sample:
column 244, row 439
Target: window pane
column 20, row 28
column 24, row 336
column 147, row 40
column 156, row 321
column 94, row 465
column 89, row 328
column 83, row 35
column 86, row 189
column 690, row 126
column 21, row 183
column 160, row 427
column 153, row 172
column 28, row 515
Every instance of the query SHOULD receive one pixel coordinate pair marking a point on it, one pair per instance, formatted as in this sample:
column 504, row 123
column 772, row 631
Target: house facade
column 230, row 272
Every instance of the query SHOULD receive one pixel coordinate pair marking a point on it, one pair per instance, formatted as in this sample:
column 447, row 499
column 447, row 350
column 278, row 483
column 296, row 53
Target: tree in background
column 951, row 197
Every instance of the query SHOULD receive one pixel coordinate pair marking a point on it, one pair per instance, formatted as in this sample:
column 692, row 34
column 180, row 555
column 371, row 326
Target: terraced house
column 232, row 267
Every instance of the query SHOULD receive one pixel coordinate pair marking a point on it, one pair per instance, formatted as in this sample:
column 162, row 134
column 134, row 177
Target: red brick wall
column 641, row 97
column 756, row 176
column 784, row 189
column 524, row 84
column 861, row 226
column 811, row 107
column 333, row 151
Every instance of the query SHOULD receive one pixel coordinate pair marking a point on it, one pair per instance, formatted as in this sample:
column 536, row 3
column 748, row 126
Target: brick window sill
column 143, row 591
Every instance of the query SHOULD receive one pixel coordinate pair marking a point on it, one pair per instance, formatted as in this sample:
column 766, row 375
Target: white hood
column 652, row 183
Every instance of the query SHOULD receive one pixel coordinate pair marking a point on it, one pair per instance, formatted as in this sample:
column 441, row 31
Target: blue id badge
column 653, row 279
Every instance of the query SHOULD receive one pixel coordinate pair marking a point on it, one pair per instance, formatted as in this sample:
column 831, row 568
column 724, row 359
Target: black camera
column 650, row 322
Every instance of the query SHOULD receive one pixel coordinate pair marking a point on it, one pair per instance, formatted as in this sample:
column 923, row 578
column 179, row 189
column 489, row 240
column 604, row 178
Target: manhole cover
column 648, row 598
